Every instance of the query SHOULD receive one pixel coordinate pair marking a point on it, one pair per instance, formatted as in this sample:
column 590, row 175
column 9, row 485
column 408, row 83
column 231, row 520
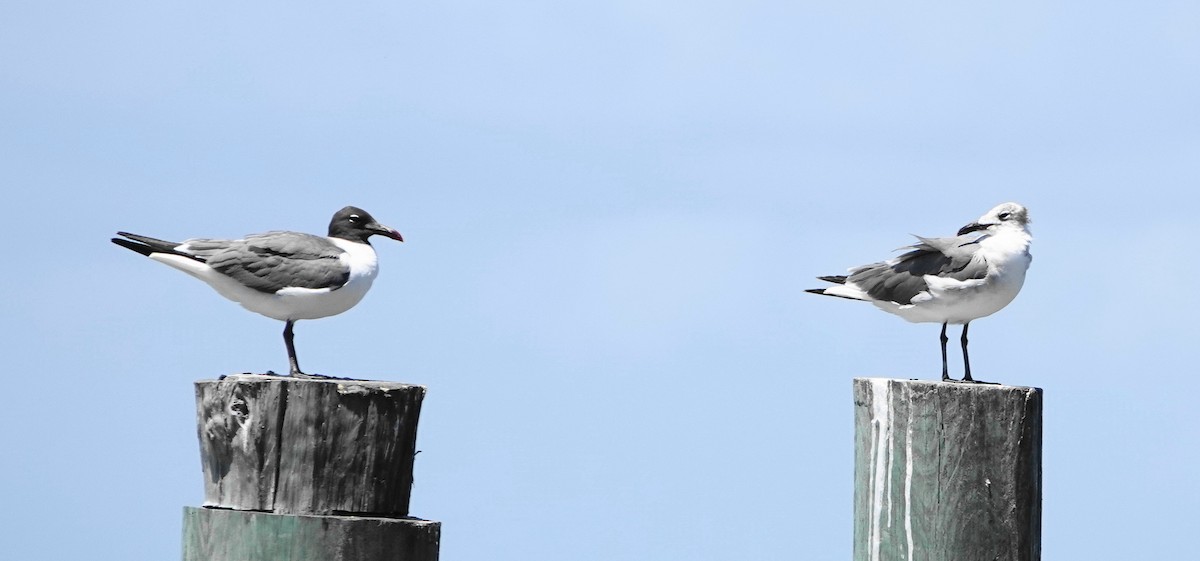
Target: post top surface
column 956, row 385
column 404, row 520
column 344, row 384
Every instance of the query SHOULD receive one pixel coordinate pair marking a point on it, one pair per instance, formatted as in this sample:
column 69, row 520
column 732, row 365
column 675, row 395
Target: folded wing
column 899, row 280
column 274, row 261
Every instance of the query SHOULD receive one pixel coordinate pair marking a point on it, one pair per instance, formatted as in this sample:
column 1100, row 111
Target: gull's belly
column 304, row 303
column 294, row 303
column 983, row 301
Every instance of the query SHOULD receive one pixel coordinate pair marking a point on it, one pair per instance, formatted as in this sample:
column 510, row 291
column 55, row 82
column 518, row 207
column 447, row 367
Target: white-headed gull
column 948, row 280
column 288, row 276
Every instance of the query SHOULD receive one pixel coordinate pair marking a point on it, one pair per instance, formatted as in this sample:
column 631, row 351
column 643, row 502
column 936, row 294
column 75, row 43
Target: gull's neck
column 1007, row 241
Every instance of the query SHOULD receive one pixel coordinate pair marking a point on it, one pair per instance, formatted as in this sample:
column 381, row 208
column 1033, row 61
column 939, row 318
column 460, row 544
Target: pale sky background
column 611, row 210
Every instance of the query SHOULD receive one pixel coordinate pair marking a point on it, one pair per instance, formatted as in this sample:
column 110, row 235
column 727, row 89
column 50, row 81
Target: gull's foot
column 305, row 376
column 970, row 381
column 267, row 373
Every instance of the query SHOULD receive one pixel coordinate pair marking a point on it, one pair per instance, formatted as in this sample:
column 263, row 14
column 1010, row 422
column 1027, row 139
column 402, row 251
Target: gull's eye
column 355, row 218
column 1004, row 215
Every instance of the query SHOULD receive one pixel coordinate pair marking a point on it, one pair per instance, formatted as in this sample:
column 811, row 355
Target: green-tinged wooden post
column 307, row 470
column 946, row 471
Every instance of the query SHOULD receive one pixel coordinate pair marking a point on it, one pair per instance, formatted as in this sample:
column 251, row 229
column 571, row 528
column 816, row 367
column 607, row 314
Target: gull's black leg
column 287, row 339
column 966, row 360
column 945, row 368
column 293, row 363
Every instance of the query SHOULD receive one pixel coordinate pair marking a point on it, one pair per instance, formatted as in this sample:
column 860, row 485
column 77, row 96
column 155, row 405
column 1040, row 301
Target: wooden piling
column 946, row 471
column 307, row 469
column 235, row 535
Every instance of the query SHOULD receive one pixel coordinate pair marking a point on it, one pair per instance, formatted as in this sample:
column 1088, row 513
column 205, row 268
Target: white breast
column 306, row 303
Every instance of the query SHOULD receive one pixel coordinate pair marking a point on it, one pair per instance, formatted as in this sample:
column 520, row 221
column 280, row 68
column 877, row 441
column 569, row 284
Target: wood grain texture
column 947, row 471
column 350, row 448
column 230, row 535
column 308, row 446
column 238, row 425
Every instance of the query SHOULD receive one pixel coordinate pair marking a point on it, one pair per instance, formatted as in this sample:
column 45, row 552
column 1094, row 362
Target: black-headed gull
column 288, row 276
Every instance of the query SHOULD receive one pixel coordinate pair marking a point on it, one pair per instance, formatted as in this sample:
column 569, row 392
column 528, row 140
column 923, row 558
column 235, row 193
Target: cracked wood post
column 946, row 471
column 307, row 470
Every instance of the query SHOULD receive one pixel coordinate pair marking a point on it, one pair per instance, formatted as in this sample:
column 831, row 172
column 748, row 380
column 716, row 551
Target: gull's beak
column 382, row 230
column 973, row 227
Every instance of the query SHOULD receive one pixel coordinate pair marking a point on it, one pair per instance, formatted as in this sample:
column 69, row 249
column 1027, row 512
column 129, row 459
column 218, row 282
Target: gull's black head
column 355, row 224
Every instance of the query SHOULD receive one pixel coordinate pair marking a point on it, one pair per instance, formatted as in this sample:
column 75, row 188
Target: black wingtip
column 836, row 279
column 134, row 246
column 146, row 245
column 822, row 292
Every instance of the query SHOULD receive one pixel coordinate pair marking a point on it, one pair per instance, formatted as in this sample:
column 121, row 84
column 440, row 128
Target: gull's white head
column 1007, row 215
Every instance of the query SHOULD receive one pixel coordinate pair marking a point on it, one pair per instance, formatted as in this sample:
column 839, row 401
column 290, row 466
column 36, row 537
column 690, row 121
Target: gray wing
column 276, row 260
column 902, row 278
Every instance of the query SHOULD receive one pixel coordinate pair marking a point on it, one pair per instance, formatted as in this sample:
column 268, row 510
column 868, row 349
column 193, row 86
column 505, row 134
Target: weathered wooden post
column 946, row 471
column 307, row 470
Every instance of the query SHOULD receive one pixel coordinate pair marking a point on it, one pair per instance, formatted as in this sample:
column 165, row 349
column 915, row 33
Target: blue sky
column 611, row 210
